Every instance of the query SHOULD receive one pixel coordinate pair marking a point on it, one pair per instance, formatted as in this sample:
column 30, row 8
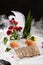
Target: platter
column 14, row 61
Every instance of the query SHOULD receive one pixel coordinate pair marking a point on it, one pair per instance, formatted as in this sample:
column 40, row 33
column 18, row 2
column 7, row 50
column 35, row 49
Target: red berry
column 17, row 28
column 9, row 32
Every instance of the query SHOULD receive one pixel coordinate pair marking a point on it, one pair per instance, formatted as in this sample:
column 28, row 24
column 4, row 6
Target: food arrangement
column 13, row 32
column 27, row 48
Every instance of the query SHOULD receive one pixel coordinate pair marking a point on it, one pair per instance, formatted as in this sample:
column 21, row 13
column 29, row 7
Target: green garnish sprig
column 27, row 27
column 8, row 49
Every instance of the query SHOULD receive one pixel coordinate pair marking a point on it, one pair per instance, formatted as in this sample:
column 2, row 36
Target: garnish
column 13, row 30
column 9, row 32
column 15, row 36
column 33, row 38
column 29, row 42
column 14, row 44
column 27, row 27
column 5, row 40
column 19, row 28
column 8, row 49
column 10, row 27
column 13, row 22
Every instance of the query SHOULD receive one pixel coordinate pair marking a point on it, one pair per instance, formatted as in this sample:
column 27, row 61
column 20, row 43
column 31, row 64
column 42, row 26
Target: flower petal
column 9, row 32
column 10, row 27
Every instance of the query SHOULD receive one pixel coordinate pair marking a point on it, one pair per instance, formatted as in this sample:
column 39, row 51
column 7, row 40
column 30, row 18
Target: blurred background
column 36, row 7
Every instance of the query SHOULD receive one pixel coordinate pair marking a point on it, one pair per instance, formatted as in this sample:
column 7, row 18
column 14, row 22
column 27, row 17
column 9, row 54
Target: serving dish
column 25, row 61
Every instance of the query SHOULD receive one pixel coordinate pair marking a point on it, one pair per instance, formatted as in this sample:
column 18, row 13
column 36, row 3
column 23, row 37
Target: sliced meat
column 23, row 51
column 33, row 50
column 27, row 51
column 19, row 53
column 37, row 50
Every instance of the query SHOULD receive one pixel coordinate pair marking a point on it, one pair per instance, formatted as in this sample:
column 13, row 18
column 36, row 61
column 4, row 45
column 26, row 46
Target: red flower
column 14, row 29
column 11, row 21
column 10, row 27
column 19, row 28
column 9, row 32
column 15, row 22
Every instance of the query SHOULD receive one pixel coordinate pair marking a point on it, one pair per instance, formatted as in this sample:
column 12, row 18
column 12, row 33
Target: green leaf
column 5, row 40
column 27, row 27
column 29, row 36
column 11, row 37
column 14, row 36
column 8, row 49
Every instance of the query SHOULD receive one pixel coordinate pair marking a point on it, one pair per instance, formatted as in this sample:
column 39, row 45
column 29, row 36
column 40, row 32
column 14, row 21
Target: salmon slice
column 14, row 44
column 30, row 42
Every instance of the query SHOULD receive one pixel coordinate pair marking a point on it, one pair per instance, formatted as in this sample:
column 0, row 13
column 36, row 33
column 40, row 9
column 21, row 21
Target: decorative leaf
column 5, row 40
column 27, row 27
column 8, row 49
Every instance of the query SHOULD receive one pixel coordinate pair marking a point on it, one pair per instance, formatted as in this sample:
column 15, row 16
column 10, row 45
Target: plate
column 15, row 61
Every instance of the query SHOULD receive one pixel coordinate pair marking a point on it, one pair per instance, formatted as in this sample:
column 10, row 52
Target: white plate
column 25, row 61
